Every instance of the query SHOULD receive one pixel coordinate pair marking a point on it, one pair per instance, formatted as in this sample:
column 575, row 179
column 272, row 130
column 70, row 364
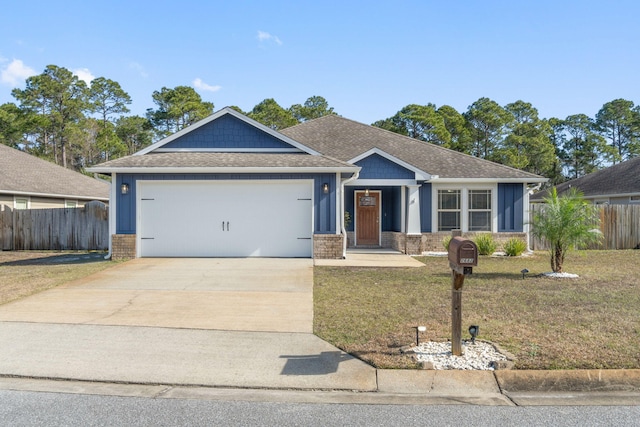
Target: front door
column 367, row 218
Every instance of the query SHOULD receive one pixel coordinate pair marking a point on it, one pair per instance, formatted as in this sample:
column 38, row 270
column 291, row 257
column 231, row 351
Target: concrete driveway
column 204, row 321
column 253, row 294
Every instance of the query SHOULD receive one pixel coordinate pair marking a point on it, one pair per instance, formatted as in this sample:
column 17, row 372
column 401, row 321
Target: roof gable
column 24, row 174
column 227, row 131
column 376, row 164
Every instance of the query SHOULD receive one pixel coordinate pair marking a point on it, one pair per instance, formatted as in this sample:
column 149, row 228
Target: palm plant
column 564, row 223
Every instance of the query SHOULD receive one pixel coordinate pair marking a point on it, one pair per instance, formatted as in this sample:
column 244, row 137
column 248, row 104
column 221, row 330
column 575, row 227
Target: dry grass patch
column 586, row 323
column 23, row 273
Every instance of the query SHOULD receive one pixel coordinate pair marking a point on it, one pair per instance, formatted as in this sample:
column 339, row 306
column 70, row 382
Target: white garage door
column 225, row 218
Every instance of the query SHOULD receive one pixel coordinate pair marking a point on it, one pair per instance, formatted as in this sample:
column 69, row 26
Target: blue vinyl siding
column 377, row 167
column 426, row 208
column 392, row 212
column 227, row 132
column 348, row 206
column 324, row 204
column 510, row 207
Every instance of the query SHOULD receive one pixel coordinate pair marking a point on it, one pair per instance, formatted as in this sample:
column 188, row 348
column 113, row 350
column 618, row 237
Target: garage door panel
column 231, row 218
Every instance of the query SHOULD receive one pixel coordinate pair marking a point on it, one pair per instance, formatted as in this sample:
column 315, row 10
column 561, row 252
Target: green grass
column 24, row 273
column 586, row 323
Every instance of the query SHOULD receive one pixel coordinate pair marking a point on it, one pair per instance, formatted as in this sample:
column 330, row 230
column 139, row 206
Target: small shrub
column 445, row 242
column 347, row 219
column 514, row 247
column 486, row 244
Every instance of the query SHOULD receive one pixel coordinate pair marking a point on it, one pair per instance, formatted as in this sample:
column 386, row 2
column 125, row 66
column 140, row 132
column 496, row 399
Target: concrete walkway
column 372, row 258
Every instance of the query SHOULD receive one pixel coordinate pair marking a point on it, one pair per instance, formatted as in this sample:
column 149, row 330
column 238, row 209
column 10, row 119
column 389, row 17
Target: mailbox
column 463, row 255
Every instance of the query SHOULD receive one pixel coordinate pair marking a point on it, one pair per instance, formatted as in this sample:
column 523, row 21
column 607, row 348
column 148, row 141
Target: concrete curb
column 581, row 380
column 437, row 381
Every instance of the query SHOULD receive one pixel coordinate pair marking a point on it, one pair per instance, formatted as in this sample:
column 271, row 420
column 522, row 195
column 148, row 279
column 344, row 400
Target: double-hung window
column 448, row 210
column 479, row 210
column 465, row 209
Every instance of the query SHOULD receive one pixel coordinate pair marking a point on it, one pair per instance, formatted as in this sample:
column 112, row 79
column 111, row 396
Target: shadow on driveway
column 65, row 259
column 321, row 364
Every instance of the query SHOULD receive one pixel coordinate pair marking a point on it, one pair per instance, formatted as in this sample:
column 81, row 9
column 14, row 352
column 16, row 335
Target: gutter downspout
column 112, row 213
column 343, row 229
column 530, row 190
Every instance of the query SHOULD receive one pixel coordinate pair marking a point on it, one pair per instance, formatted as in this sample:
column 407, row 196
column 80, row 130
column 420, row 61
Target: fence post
column 6, row 228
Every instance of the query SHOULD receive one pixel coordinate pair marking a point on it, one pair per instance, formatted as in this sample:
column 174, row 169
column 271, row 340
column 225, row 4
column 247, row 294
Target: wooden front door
column 367, row 218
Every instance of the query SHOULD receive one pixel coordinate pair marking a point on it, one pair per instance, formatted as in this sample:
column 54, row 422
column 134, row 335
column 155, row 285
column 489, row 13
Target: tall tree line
column 515, row 135
column 61, row 118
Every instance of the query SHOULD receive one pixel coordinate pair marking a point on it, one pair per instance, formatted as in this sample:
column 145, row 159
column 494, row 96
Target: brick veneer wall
column 432, row 242
column 413, row 244
column 327, row 246
column 393, row 240
column 123, row 246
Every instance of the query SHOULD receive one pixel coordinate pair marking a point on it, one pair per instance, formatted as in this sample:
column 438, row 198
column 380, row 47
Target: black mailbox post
column 463, row 256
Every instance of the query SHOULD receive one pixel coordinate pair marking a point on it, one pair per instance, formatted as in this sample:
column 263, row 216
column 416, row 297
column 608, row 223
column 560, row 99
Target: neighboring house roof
column 24, row 174
column 347, row 140
column 622, row 179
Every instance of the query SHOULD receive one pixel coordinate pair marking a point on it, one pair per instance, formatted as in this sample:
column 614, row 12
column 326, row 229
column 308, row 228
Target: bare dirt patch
column 23, row 273
column 589, row 322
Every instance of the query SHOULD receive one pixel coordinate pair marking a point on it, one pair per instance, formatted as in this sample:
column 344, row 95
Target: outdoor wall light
column 124, row 188
column 366, row 192
column 524, row 271
column 325, row 188
column 474, row 330
column 418, row 330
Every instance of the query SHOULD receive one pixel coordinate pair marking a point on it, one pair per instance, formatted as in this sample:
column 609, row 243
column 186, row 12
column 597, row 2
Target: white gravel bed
column 476, row 356
column 561, row 275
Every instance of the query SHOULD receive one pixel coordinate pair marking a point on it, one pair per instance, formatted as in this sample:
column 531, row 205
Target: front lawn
column 586, row 323
column 23, row 273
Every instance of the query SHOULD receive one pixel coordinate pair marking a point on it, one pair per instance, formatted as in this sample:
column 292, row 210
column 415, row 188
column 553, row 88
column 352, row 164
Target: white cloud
column 264, row 37
column 16, row 73
column 140, row 69
column 199, row 84
column 84, row 74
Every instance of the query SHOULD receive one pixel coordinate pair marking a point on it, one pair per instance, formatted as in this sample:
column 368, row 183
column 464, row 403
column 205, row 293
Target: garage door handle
column 227, row 225
column 223, row 229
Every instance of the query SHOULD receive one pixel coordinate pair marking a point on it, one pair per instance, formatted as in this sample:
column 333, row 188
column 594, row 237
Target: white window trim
column 438, row 210
column 16, row 198
column 464, row 203
column 470, row 210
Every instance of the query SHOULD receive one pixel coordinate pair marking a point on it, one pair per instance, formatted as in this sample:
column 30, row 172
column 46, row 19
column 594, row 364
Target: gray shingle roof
column 24, row 173
column 346, row 139
column 620, row 179
column 223, row 160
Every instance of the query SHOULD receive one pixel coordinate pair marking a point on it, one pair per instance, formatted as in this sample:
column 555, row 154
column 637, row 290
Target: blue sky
column 367, row 58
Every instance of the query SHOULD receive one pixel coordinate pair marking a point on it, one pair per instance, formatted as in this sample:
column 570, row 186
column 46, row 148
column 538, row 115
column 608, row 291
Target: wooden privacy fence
column 55, row 229
column 620, row 226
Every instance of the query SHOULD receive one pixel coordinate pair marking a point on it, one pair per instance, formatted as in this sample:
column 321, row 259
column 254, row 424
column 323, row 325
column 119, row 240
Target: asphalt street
column 20, row 408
